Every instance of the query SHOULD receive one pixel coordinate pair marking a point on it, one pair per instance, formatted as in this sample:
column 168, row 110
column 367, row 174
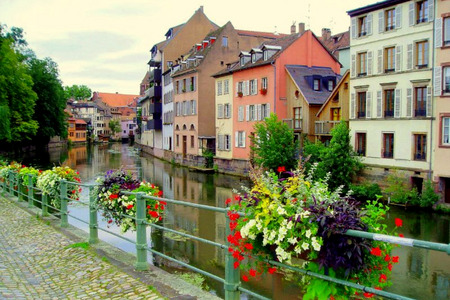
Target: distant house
column 339, row 46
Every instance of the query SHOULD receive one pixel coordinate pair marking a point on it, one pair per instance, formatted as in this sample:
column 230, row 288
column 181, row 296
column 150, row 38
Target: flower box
column 263, row 91
column 240, row 94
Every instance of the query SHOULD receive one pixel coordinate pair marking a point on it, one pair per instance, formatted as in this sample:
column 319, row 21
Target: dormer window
column 316, row 84
column 266, row 55
column 242, row 61
column 330, row 85
column 169, row 34
column 253, row 57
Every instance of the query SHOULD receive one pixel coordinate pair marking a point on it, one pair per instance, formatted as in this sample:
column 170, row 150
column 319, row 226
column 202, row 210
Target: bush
column 399, row 190
column 366, row 191
column 209, row 158
column 428, row 197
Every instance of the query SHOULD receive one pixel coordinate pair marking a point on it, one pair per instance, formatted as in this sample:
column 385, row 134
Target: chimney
column 292, row 28
column 201, row 8
column 326, row 34
column 301, row 27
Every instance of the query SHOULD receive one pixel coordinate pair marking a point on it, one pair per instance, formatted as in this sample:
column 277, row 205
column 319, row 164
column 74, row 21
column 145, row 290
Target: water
column 420, row 274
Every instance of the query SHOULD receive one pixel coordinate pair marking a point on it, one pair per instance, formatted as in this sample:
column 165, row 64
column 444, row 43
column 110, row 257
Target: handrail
column 231, row 282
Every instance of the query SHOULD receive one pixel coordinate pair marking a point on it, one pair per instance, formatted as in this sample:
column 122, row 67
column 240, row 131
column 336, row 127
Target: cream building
column 391, row 105
column 224, row 118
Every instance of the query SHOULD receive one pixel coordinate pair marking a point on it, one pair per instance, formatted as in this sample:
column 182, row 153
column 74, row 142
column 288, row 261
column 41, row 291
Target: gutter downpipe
column 274, row 86
column 432, row 148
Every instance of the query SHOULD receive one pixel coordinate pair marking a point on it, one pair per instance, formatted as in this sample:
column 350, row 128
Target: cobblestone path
column 37, row 262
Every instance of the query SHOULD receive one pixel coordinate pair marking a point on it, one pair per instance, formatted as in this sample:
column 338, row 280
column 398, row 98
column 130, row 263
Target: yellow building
column 224, row 120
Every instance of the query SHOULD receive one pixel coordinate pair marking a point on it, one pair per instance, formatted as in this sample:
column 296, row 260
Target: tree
column 77, row 92
column 114, row 126
column 273, row 144
column 50, row 104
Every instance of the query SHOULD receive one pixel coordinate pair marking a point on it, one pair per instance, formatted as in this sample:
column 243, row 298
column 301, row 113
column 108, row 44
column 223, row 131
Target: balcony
column 156, row 76
column 155, row 108
column 324, row 127
column 155, row 92
column 295, row 124
column 154, row 124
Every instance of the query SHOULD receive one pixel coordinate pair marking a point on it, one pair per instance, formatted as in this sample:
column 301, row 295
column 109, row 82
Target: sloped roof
column 115, row 100
column 335, row 91
column 303, row 75
column 268, row 35
column 337, row 42
column 80, row 121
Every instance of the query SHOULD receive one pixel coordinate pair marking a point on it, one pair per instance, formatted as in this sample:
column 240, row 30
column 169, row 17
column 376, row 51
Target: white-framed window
column 266, row 55
column 242, row 61
column 227, row 110
column 253, row 87
column 227, row 142
column 241, row 113
column 265, row 111
column 219, row 88
column 225, row 41
column 446, row 35
column 264, row 83
column 446, row 79
column 330, row 85
column 240, row 139
column 316, row 85
column 446, row 131
column 193, row 107
column 252, row 113
column 253, row 57
column 226, row 87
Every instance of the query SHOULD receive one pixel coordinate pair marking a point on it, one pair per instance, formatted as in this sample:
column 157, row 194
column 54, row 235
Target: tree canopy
column 77, row 92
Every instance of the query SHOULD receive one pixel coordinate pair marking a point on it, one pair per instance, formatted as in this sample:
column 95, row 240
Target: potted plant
column 240, row 94
column 263, row 91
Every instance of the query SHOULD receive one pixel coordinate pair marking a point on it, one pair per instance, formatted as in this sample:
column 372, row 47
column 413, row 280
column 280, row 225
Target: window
column 361, row 105
column 389, row 96
column 192, row 141
column 389, row 59
column 241, row 139
column 226, row 87
column 178, row 140
column 219, row 88
column 225, row 41
column 265, row 112
column 297, row 118
column 446, row 75
column 420, row 101
column 330, row 85
column 253, row 87
column 252, row 113
column 420, row 147
column 361, row 143
column 240, row 87
column 422, row 11
column 227, row 110
column 227, row 142
column 193, row 107
column 264, row 83
column 220, row 111
column 362, row 64
column 446, row 31
column 389, row 16
column 192, row 85
column 422, row 54
column 242, row 61
column 362, row 26
column 316, row 86
column 446, row 131
column 335, row 114
column 388, row 145
column 266, row 55
column 253, row 57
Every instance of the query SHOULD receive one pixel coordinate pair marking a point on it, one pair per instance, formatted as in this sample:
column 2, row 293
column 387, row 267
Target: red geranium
column 376, row 251
column 398, row 222
column 281, row 169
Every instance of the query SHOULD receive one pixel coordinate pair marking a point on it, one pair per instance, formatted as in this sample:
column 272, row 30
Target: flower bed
column 293, row 220
column 116, row 206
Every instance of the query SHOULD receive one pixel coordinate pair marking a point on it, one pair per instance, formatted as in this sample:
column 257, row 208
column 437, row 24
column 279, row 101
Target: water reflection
column 420, row 274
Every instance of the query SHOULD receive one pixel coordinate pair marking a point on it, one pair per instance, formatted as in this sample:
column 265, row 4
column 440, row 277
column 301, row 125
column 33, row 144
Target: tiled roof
column 373, row 7
column 337, row 42
column 114, row 100
column 80, row 121
column 303, row 78
column 268, row 35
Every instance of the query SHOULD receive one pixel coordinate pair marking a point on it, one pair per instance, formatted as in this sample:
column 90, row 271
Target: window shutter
column 256, row 86
column 369, row 62
column 220, row 111
column 381, row 21
column 429, row 102
column 398, row 58
column 353, row 73
column 409, row 64
column 411, row 14
column 243, row 139
column 398, row 17
column 188, row 108
column 380, row 61
column 219, row 140
column 379, row 105
column 247, row 112
column 241, row 113
column 236, row 139
column 352, row 106
column 437, row 81
column 438, row 33
column 397, row 104
column 368, row 105
column 430, row 11
column 369, row 24
column 353, row 28
column 258, row 112
column 247, row 88
column 268, row 110
column 409, row 102
column 237, row 89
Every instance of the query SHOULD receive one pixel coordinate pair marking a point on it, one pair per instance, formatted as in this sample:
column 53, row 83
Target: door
column 447, row 190
column 184, row 146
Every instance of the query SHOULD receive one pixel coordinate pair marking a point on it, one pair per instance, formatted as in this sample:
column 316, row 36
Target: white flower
column 305, row 246
column 292, row 240
column 308, row 233
column 281, row 211
column 315, row 244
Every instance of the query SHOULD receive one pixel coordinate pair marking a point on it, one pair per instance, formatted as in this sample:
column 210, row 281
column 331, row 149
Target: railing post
column 44, row 205
column 19, row 188
column 141, row 234
column 63, row 197
column 232, row 280
column 30, row 190
column 93, row 223
column 11, row 184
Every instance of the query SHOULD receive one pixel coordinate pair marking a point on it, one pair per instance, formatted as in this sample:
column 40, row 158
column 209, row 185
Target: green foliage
column 428, row 197
column 114, row 126
column 273, row 144
column 365, row 191
column 195, row 279
column 209, row 158
column 399, row 190
column 445, row 208
column 77, row 92
column 83, row 245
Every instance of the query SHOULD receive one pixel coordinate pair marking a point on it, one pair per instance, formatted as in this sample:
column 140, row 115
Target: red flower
column 130, row 206
column 398, row 222
column 233, row 225
column 156, row 206
column 160, row 193
column 240, row 257
column 387, row 258
column 390, row 267
column 281, row 169
column 401, row 235
column 228, row 201
column 233, row 216
column 236, row 254
column 237, row 198
column 153, row 186
column 395, row 259
column 154, row 214
column 113, row 196
column 163, row 202
column 248, row 246
column 236, row 264
column 230, row 249
column 245, row 277
column 383, row 278
column 272, row 270
column 368, row 295
column 109, row 221
column 73, row 191
column 376, row 251
column 252, row 272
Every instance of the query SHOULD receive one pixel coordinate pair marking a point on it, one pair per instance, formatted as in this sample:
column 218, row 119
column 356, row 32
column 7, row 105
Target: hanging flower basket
column 240, row 94
column 263, row 91
column 288, row 216
column 118, row 208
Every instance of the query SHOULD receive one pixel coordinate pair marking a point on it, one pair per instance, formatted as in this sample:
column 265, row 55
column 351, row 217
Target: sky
column 105, row 44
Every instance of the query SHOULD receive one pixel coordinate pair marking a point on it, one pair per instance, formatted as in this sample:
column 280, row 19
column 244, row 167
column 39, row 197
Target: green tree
column 114, row 126
column 273, row 144
column 50, row 104
column 77, row 92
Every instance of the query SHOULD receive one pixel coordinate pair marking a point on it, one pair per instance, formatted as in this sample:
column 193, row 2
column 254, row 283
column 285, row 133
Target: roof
column 335, row 91
column 267, row 35
column 373, row 7
column 337, row 42
column 114, row 99
column 303, row 77
column 80, row 121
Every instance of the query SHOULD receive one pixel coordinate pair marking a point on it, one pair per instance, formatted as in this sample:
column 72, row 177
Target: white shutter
column 352, row 106
column 379, row 104
column 397, row 104
column 258, row 112
column 220, row 142
column 241, row 113
column 247, row 112
column 256, row 86
column 188, row 108
column 429, row 102
column 268, row 110
column 437, row 81
column 243, row 139
column 380, row 61
column 237, row 89
column 438, row 33
column 381, row 21
column 398, row 58
column 353, row 28
column 247, row 87
column 369, row 24
column 219, row 111
column 368, row 105
column 398, row 17
column 369, row 62
column 430, row 11
column 411, row 13
column 236, row 139
column 409, row 102
column 409, row 64
column 353, row 73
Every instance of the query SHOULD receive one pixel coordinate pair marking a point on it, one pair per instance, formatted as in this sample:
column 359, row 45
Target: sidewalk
column 38, row 261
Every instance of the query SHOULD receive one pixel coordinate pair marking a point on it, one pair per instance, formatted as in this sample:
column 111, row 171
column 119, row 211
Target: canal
column 420, row 274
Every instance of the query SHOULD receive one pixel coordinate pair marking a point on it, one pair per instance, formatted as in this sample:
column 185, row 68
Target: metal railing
column 231, row 282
